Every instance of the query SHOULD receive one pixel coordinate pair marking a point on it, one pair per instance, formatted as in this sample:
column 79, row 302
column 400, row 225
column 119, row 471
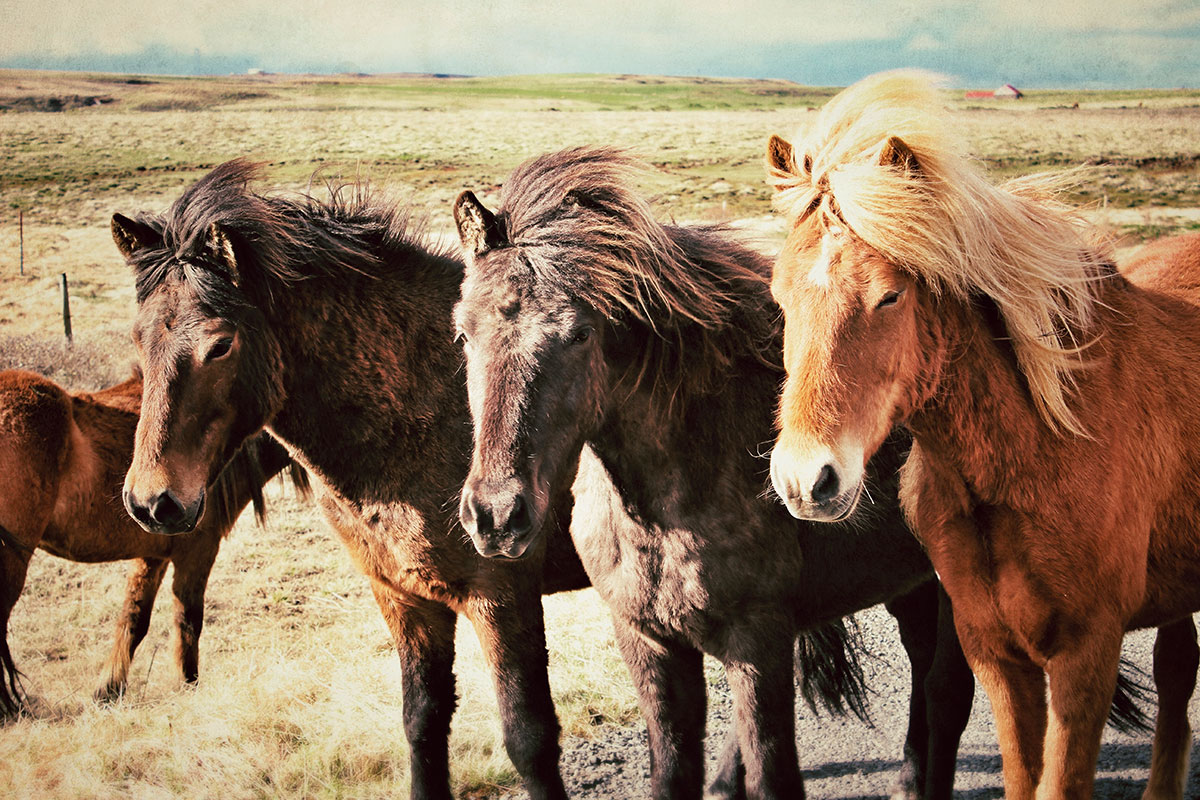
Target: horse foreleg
column 943, row 690
column 513, row 636
column 669, row 679
column 1016, row 688
column 192, row 568
column 949, row 695
column 1082, row 680
column 423, row 632
column 1176, row 658
column 14, row 562
column 145, row 576
column 761, row 678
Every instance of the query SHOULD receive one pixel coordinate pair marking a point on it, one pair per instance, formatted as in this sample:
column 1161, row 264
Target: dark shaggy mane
column 701, row 295
column 251, row 467
column 276, row 239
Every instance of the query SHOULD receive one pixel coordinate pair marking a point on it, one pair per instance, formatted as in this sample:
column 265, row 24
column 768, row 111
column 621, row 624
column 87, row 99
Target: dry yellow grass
column 299, row 694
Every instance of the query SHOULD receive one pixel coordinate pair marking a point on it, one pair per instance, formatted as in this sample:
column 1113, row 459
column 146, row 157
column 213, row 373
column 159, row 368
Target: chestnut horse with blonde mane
column 63, row 456
column 1055, row 473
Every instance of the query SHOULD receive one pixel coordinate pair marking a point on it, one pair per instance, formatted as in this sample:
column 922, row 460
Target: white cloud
column 923, row 42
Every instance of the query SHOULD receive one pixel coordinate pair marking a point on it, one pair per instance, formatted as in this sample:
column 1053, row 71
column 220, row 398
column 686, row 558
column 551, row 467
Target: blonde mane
column 933, row 213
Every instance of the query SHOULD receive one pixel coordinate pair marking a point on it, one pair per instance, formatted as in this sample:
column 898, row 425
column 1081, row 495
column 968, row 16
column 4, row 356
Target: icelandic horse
column 1055, row 473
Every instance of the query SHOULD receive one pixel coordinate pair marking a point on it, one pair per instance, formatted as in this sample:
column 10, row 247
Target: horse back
column 63, row 457
column 1171, row 264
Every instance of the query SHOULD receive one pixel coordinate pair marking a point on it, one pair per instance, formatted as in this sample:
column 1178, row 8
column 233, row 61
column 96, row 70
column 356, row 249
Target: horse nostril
column 166, row 510
column 519, row 520
column 136, row 510
column 482, row 515
column 826, row 487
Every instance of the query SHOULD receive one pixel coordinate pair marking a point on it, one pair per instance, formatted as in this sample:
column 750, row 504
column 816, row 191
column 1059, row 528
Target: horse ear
column 780, row 156
column 896, row 153
column 131, row 235
column 478, row 228
column 221, row 245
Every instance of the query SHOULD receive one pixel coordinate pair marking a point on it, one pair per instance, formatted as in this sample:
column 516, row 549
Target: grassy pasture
column 299, row 693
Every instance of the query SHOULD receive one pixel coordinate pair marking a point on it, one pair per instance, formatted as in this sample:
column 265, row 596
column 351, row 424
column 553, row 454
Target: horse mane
column 580, row 225
column 276, row 239
column 255, row 462
column 937, row 216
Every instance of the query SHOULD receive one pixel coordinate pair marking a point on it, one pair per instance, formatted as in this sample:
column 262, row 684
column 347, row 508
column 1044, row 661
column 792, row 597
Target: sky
column 1030, row 43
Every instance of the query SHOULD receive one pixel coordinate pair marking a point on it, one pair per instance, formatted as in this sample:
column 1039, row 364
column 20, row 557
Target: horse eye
column 889, row 299
column 582, row 335
column 220, row 349
column 460, row 336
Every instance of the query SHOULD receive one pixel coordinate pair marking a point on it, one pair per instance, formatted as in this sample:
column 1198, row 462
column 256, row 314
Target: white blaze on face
column 830, row 248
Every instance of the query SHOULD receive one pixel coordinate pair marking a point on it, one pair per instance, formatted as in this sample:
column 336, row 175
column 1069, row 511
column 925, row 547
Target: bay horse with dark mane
column 64, row 456
column 1055, row 471
column 646, row 354
column 329, row 324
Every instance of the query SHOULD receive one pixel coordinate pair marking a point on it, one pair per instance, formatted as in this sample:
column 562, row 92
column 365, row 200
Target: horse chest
column 672, row 580
column 391, row 543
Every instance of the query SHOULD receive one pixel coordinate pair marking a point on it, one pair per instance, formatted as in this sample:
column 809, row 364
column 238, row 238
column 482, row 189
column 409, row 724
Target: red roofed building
column 1005, row 92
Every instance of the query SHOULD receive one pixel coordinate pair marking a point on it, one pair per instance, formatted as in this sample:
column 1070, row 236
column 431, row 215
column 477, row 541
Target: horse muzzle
column 501, row 519
column 163, row 512
column 817, row 489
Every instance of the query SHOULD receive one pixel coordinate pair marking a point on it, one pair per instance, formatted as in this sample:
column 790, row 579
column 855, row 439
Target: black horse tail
column 1126, row 713
column 829, row 670
column 831, row 677
column 12, row 694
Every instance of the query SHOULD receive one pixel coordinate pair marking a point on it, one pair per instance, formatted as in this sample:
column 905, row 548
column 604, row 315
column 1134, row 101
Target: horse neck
column 974, row 409
column 653, row 435
column 371, row 376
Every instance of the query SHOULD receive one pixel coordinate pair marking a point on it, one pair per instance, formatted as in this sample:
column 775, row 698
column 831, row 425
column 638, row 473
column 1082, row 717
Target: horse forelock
column 582, row 227
column 580, row 221
column 941, row 220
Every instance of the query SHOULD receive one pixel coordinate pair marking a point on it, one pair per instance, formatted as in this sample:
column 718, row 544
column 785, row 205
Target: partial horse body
column 64, row 457
column 328, row 323
column 1055, row 471
column 646, row 355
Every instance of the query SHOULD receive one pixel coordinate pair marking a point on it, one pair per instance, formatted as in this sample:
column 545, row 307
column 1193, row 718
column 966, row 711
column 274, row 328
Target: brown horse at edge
column 1055, row 475
column 64, row 456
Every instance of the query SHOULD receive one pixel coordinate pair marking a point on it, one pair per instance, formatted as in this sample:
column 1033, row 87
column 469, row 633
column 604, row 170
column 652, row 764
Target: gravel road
column 844, row 758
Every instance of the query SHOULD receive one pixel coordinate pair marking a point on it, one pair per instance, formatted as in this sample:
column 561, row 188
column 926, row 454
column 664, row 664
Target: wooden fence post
column 66, row 308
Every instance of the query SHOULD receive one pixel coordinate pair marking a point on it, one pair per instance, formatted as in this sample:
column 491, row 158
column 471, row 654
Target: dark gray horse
column 649, row 355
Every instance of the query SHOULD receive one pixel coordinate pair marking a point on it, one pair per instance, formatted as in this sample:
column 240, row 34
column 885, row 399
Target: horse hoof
column 109, row 692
